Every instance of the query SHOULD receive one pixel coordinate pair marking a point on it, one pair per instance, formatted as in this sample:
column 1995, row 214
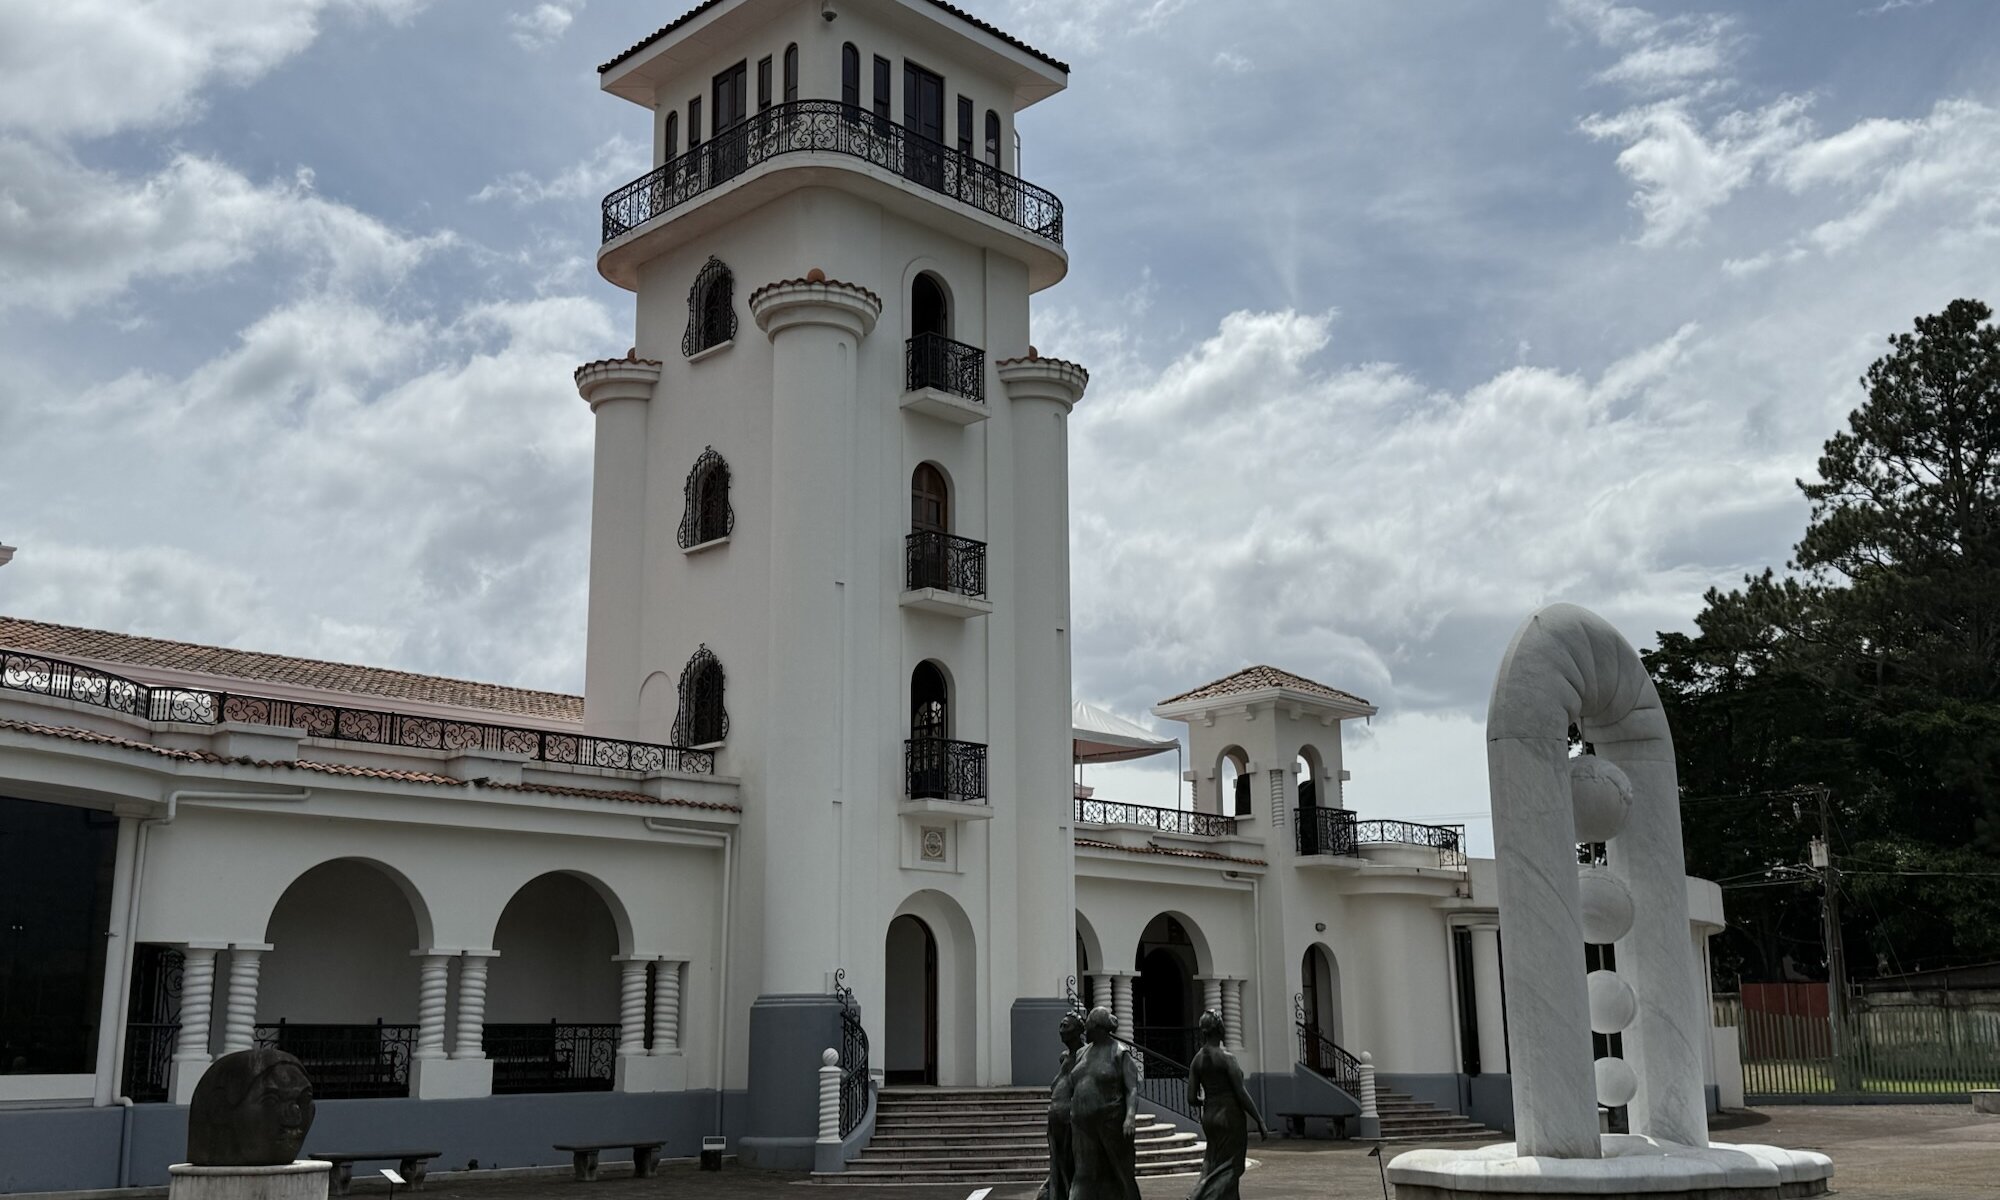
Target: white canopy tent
column 1100, row 736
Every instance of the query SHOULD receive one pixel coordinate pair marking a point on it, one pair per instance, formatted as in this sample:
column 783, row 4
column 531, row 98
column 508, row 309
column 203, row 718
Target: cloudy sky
column 1403, row 318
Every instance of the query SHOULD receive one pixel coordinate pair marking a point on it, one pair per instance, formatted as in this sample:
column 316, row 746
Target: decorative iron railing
column 1337, row 831
column 551, row 1057
column 943, row 769
column 933, row 559
column 43, row 676
column 855, row 1079
column 1172, row 820
column 1320, row 1055
column 348, row 1062
column 934, row 361
column 149, row 1059
column 830, row 127
column 1163, row 1081
column 1177, row 1042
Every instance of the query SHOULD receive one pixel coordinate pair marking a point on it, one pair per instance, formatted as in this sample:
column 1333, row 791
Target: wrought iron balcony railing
column 1337, row 831
column 1172, row 820
column 830, row 127
column 79, row 684
column 1320, row 1055
column 935, row 361
column 943, row 769
column 551, row 1057
column 933, row 559
column 347, row 1062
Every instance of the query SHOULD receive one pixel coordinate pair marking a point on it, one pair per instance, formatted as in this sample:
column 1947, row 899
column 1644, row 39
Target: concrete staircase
column 977, row 1136
column 1406, row 1119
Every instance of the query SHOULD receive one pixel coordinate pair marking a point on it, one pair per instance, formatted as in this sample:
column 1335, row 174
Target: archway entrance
column 910, row 1003
column 1164, row 1001
column 552, row 1000
column 1319, row 1004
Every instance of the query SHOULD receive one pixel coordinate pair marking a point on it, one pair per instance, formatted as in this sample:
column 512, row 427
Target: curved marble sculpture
column 1104, row 1114
column 1567, row 666
column 252, row 1108
column 1215, row 1089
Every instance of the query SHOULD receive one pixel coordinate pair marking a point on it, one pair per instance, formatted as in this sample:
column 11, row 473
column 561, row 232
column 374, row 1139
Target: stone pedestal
column 1631, row 1166
column 650, row 1073
column 451, row 1079
column 305, row 1179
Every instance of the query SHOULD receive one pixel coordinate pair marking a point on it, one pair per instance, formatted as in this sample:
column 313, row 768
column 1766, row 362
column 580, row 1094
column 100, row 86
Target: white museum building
column 820, row 789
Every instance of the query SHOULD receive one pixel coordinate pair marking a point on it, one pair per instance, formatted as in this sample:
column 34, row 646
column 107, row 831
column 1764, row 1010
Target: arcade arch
column 929, row 1009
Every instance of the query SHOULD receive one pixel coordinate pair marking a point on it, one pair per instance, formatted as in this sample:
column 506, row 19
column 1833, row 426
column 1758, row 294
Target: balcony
column 1338, row 833
column 1168, row 820
column 551, row 1057
column 944, row 574
column 944, row 771
column 945, row 379
column 842, row 146
column 347, row 1062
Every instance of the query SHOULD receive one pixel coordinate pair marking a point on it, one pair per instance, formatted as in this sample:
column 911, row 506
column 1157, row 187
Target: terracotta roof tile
column 351, row 771
column 953, row 9
column 1257, row 679
column 1169, row 852
column 130, row 650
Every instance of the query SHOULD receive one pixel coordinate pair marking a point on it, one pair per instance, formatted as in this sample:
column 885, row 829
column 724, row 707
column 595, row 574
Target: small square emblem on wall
column 933, row 843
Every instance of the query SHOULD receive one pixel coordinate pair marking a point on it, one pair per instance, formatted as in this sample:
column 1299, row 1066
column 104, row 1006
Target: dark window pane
column 881, row 87
column 791, row 72
column 965, row 125
column 850, row 76
column 55, row 894
column 992, row 138
column 673, row 135
column 763, row 83
column 694, row 122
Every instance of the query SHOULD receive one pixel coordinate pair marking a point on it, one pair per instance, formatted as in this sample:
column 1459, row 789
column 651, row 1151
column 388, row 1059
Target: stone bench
column 645, row 1158
column 1986, row 1100
column 1295, row 1123
column 412, row 1165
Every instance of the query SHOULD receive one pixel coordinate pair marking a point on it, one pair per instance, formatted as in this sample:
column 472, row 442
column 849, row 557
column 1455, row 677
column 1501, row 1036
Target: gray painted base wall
column 788, row 1033
column 1492, row 1100
column 1037, row 1047
column 75, row 1149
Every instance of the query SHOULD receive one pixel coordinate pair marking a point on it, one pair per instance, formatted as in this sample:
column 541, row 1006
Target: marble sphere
column 251, row 1109
column 1601, row 796
column 1613, row 1003
column 1617, row 1082
column 1606, row 905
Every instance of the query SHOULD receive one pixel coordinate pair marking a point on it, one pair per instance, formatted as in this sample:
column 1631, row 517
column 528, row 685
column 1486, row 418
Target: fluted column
column 1487, row 1001
column 197, row 1007
column 1232, row 1013
column 1211, row 993
column 1100, row 990
column 619, row 392
column 667, row 1006
column 239, row 1019
column 471, row 1040
column 631, row 1005
column 1121, row 1005
column 433, row 979
column 817, row 327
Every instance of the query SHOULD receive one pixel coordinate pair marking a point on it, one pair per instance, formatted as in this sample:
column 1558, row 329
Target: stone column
column 470, row 1043
column 1211, row 993
column 1100, row 990
column 197, row 1005
column 239, row 1019
column 631, row 1005
column 1370, row 1118
column 433, row 979
column 667, row 1006
column 619, row 392
column 1232, row 1014
column 1121, row 1004
column 1487, row 1002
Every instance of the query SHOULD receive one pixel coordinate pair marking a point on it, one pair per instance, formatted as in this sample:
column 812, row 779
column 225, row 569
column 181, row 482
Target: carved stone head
column 251, row 1109
column 1070, row 1030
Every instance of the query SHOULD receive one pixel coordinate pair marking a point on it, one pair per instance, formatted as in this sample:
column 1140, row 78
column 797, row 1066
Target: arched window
column 1232, row 778
column 850, row 78
column 702, row 720
column 711, row 309
column 791, row 72
column 929, row 311
column 930, row 501
column 673, row 138
column 992, row 138
column 930, row 703
column 708, row 516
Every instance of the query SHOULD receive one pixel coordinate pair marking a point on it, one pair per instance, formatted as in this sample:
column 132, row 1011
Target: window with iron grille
column 707, row 515
column 702, row 720
column 711, row 309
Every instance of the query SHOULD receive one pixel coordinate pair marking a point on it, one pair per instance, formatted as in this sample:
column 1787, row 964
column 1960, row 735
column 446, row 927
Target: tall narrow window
column 930, row 503
column 711, row 309
column 708, row 516
column 730, row 106
column 992, row 138
column 673, row 138
column 791, row 72
column 850, row 76
column 882, row 89
column 702, row 719
column 763, row 83
column 694, row 122
column 965, row 126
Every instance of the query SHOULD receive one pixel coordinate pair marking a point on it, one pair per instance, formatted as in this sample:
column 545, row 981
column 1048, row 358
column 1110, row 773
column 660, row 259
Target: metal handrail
column 1163, row 1081
column 932, row 360
column 1323, row 1057
column 63, row 680
column 1339, row 832
column 830, row 127
column 947, row 562
column 1171, row 820
column 937, row 768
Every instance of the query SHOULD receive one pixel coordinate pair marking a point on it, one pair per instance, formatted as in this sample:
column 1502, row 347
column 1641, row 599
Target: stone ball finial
column 1613, row 1004
column 1366, row 1057
column 1602, row 797
column 830, row 1058
column 815, row 276
column 1617, row 1082
column 1606, row 905
column 251, row 1109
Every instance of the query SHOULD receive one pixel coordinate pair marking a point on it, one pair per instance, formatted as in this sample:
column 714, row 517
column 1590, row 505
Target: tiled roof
column 1169, row 852
column 349, row 770
column 1259, row 678
column 68, row 641
column 953, row 9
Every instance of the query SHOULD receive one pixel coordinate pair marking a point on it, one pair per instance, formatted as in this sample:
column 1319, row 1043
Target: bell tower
column 830, row 526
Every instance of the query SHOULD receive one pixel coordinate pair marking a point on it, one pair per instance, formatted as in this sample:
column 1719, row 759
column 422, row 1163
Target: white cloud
column 1684, row 171
column 616, row 160
column 1083, row 25
column 1659, row 55
column 542, row 25
column 92, row 67
column 70, row 234
column 1946, row 164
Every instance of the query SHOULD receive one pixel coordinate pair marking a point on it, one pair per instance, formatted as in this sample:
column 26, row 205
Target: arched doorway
column 552, row 994
column 929, row 310
column 910, row 1003
column 930, row 731
column 1319, row 994
column 1165, row 1001
column 1232, row 782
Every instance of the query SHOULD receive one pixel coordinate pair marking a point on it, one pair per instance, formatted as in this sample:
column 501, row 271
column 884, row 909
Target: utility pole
column 1836, row 953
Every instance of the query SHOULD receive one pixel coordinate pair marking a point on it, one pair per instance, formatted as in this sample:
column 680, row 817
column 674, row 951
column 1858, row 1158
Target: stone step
column 1031, row 1157
column 857, row 1176
column 1147, row 1135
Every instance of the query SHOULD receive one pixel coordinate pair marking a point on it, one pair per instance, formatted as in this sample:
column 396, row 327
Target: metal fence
column 1908, row 1051
column 1090, row 811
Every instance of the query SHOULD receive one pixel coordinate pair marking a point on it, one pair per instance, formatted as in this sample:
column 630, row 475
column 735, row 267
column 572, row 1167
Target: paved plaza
column 1934, row 1151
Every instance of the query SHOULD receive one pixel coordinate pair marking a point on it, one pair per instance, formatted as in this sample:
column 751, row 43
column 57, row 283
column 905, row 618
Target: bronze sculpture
column 1104, row 1114
column 251, row 1109
column 1216, row 1091
column 1062, row 1155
